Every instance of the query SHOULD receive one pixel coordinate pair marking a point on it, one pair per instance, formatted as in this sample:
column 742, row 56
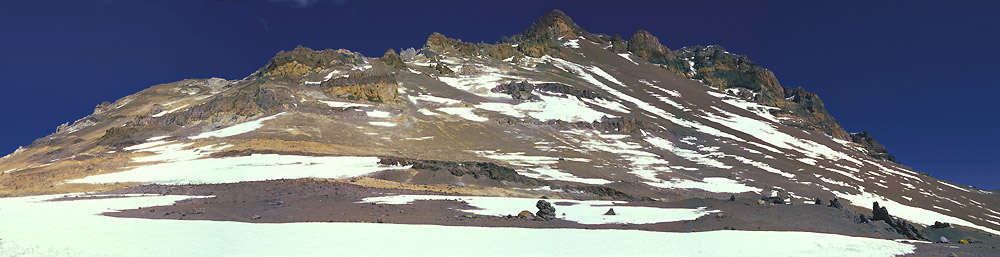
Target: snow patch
column 236, row 129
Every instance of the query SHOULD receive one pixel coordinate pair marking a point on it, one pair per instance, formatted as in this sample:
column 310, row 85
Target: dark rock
column 835, row 204
column 611, row 211
column 900, row 226
column 774, row 200
column 392, row 59
column 522, row 91
column 938, row 224
column 818, row 201
column 874, row 148
column 722, row 70
column 443, row 69
column 880, row 213
column 646, row 46
column 732, row 198
column 602, row 191
column 458, row 169
column 545, row 210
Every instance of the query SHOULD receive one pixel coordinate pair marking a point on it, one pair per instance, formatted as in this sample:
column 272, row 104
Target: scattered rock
column 611, row 211
column 774, row 200
column 943, row 240
column 835, row 204
column 545, row 210
column 469, row 70
column 732, row 198
column 901, row 227
column 443, row 69
column 818, row 201
column 938, row 224
column 526, row 215
column 255, row 217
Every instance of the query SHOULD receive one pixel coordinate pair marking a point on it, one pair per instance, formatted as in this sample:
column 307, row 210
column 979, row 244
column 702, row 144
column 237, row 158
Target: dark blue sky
column 920, row 75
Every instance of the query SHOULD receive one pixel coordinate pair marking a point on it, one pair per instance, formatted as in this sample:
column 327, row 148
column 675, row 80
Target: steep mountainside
column 554, row 112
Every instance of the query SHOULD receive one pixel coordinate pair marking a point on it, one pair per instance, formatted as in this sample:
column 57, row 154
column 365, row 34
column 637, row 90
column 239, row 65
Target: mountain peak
column 553, row 24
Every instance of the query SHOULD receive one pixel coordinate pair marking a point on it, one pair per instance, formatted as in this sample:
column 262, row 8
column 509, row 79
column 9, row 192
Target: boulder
column 526, row 215
column 545, row 210
column 611, row 211
column 835, row 204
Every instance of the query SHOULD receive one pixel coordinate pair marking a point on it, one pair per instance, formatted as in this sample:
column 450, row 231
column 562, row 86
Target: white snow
column 572, row 43
column 463, row 112
column 243, row 168
column 710, row 184
column 583, row 212
column 541, row 165
column 343, row 104
column 236, row 129
column 610, row 105
column 34, row 227
column 550, row 107
column 762, row 166
column 427, row 112
column 585, row 73
column 953, row 186
column 434, row 99
column 627, row 57
column 378, row 114
column 382, row 123
column 480, row 84
column 914, row 214
column 170, row 111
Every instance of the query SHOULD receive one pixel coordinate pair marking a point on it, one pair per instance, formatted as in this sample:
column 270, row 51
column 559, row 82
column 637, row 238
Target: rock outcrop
column 872, row 147
column 303, row 61
column 900, row 226
column 474, row 169
column 545, row 210
column 648, row 47
column 393, row 60
column 363, row 85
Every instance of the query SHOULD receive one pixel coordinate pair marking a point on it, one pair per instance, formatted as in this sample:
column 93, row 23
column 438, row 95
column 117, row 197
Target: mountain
column 686, row 140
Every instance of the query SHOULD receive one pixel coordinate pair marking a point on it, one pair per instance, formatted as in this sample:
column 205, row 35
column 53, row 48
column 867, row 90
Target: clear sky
column 920, row 75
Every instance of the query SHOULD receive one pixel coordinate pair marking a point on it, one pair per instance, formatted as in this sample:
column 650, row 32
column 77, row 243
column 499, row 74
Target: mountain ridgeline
column 554, row 113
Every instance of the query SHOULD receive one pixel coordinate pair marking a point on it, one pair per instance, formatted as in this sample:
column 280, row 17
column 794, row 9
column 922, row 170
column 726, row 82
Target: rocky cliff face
column 648, row 47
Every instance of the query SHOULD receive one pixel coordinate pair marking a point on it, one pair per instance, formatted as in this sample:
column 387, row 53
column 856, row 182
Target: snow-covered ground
column 31, row 226
column 243, row 168
column 583, row 212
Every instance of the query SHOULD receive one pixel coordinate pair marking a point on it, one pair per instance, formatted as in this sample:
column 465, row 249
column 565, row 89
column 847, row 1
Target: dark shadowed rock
column 835, row 204
column 545, row 210
column 938, row 224
column 872, row 146
column 611, row 211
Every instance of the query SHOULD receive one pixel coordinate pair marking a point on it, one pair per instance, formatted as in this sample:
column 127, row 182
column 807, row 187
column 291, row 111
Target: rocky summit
column 549, row 139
